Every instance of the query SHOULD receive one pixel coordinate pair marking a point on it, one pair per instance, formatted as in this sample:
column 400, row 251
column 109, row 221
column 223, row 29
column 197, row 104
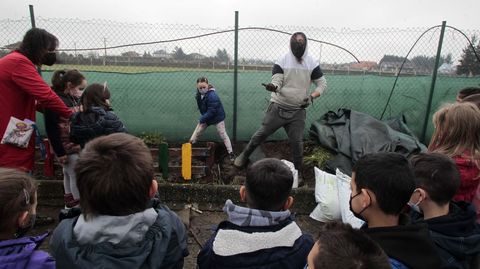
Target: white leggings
column 222, row 132
column 69, row 177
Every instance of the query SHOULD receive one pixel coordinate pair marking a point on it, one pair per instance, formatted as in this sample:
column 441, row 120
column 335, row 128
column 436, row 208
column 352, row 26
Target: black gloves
column 270, row 87
column 307, row 101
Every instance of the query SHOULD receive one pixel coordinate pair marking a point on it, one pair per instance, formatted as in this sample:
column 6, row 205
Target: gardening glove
column 307, row 101
column 270, row 87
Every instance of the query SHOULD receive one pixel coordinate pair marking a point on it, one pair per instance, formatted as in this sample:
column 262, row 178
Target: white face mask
column 203, row 91
column 414, row 206
column 76, row 93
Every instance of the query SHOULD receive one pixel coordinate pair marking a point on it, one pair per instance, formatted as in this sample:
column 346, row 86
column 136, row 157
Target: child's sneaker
column 231, row 156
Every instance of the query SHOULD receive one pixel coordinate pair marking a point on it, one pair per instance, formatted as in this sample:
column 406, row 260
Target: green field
column 162, row 99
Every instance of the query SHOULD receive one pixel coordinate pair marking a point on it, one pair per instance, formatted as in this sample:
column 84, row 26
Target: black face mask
column 298, row 49
column 50, row 58
column 357, row 215
column 21, row 231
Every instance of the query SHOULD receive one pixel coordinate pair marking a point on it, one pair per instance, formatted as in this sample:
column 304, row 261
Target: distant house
column 162, row 54
column 197, row 56
column 447, row 69
column 391, row 63
column 364, row 65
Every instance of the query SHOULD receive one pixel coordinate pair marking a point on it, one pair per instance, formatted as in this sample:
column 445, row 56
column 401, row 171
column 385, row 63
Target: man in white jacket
column 292, row 76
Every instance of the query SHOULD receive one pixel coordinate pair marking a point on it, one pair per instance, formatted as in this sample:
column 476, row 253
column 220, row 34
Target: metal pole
column 235, row 79
column 432, row 86
column 32, row 21
column 32, row 16
column 105, row 52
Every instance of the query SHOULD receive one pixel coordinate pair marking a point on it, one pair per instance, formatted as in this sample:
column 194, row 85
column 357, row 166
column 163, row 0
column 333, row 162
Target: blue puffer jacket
column 210, row 107
column 93, row 123
column 22, row 253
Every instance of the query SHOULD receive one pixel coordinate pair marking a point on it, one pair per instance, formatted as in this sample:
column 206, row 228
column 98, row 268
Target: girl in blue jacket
column 212, row 112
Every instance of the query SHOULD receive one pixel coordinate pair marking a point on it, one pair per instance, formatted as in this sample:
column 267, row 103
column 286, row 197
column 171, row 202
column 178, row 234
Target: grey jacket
column 163, row 244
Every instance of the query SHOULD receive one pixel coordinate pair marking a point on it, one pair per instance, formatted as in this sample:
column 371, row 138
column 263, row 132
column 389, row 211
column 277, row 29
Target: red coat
column 469, row 179
column 22, row 90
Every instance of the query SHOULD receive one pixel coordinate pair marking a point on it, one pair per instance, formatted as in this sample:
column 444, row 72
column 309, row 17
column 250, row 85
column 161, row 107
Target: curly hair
column 36, row 43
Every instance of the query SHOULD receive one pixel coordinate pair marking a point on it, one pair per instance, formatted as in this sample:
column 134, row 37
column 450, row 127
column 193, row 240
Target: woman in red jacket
column 457, row 135
column 23, row 91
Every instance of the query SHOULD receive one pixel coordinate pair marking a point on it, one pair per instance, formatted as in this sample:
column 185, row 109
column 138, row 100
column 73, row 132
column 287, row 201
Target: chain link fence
column 151, row 69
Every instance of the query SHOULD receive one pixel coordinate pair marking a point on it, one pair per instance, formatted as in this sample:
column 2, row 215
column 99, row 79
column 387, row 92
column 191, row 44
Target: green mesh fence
column 151, row 69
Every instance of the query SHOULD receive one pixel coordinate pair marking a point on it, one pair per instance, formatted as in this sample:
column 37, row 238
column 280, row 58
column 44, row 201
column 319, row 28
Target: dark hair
column 114, row 175
column 95, row 95
column 202, row 79
column 437, row 174
column 17, row 194
column 60, row 78
column 341, row 246
column 389, row 176
column 36, row 43
column 474, row 99
column 468, row 91
column 268, row 184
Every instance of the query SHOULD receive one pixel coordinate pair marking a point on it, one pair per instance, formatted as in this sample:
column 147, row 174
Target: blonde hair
column 457, row 131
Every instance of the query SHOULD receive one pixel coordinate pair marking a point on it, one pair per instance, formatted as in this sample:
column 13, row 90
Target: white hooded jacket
column 293, row 80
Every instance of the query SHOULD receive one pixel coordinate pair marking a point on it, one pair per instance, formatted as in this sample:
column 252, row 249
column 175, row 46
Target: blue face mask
column 306, row 266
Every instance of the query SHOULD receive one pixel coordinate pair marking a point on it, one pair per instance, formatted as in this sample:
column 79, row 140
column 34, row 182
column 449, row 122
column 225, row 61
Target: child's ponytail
column 58, row 83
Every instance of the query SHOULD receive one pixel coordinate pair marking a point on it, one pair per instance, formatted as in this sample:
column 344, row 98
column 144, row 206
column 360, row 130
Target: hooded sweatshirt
column 456, row 235
column 293, row 80
column 410, row 244
column 154, row 238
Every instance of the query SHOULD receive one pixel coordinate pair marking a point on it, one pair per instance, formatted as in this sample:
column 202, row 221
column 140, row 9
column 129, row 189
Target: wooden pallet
column 203, row 158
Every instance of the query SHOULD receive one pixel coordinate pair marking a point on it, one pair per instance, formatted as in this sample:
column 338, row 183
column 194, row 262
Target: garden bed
column 217, row 169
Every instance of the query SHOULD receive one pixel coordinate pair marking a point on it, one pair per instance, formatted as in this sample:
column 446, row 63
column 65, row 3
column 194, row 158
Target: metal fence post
column 432, row 86
column 32, row 16
column 235, row 79
column 32, row 21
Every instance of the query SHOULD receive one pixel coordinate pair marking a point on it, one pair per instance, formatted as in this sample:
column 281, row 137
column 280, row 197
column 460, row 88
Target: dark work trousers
column 293, row 121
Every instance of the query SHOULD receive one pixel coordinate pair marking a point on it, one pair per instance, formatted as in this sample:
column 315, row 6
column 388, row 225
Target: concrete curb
column 176, row 196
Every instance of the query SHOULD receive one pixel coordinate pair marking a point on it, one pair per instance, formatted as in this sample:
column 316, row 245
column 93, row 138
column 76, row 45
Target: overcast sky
column 352, row 14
